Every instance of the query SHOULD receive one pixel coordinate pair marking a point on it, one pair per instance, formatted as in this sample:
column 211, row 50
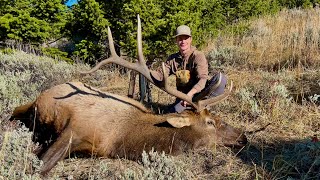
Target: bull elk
column 103, row 124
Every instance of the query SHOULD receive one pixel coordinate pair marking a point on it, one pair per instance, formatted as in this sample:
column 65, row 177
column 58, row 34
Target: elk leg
column 58, row 150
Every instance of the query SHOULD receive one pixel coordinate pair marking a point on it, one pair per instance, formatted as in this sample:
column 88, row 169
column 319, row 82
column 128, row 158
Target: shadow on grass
column 285, row 160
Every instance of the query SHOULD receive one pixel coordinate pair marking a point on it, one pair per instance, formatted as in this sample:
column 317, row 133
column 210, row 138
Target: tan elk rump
column 85, row 119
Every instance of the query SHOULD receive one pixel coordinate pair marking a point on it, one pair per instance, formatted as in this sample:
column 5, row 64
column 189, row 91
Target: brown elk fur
column 104, row 124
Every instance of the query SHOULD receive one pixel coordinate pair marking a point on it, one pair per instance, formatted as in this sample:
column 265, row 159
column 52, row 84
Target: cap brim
column 181, row 35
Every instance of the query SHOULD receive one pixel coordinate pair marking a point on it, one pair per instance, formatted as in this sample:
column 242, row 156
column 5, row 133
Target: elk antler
column 141, row 67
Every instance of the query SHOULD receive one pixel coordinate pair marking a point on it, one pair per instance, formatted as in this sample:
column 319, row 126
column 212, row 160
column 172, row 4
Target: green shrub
column 161, row 166
column 7, row 51
column 56, row 54
column 227, row 55
column 249, row 102
column 16, row 157
column 23, row 76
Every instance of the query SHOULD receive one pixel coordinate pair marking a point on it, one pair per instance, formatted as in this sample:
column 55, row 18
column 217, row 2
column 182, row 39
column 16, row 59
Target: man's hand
column 184, row 103
column 190, row 94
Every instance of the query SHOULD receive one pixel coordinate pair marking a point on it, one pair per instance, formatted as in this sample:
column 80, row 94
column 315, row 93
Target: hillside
column 274, row 62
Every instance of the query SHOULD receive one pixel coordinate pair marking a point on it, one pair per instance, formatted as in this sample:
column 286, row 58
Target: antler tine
column 175, row 92
column 111, row 44
column 144, row 70
column 106, row 61
column 214, row 100
column 139, row 66
column 139, row 40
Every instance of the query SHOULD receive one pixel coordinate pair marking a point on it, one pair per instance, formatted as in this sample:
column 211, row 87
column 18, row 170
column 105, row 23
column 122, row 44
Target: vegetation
column 88, row 30
column 17, row 143
column 80, row 30
column 31, row 21
column 274, row 65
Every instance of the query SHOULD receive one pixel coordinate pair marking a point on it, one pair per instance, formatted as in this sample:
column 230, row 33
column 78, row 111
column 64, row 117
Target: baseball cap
column 183, row 30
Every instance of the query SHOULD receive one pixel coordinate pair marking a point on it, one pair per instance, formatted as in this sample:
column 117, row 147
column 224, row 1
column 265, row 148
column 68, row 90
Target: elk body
column 104, row 124
column 109, row 125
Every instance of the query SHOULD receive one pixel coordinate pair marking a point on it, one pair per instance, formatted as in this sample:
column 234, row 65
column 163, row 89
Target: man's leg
column 214, row 87
column 220, row 89
column 176, row 107
column 209, row 91
column 179, row 107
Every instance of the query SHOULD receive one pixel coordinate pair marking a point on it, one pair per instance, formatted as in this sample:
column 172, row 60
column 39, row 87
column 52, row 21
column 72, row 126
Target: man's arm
column 202, row 71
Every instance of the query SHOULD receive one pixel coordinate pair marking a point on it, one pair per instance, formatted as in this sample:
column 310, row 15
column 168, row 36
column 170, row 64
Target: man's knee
column 220, row 88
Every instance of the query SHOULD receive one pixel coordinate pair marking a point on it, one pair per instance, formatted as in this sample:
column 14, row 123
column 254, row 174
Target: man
column 191, row 69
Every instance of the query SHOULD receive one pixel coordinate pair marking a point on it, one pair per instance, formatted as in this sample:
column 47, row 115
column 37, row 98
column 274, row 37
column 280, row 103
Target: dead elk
column 110, row 125
column 104, row 124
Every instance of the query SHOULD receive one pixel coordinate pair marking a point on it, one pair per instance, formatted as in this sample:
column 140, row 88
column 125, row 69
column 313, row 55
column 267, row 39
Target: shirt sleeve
column 202, row 70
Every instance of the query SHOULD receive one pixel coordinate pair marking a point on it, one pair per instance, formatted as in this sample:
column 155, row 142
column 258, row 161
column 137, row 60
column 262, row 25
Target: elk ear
column 205, row 112
column 179, row 122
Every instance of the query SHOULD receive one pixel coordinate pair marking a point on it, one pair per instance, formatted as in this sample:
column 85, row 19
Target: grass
column 275, row 69
column 288, row 40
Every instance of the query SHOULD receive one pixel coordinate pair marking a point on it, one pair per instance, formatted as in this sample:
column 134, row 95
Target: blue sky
column 71, row 2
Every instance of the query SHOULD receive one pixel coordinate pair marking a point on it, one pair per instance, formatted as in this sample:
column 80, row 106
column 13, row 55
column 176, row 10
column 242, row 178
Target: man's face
column 184, row 42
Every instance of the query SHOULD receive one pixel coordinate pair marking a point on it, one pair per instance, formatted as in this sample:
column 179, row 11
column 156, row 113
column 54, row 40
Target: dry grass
column 290, row 39
column 275, row 70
